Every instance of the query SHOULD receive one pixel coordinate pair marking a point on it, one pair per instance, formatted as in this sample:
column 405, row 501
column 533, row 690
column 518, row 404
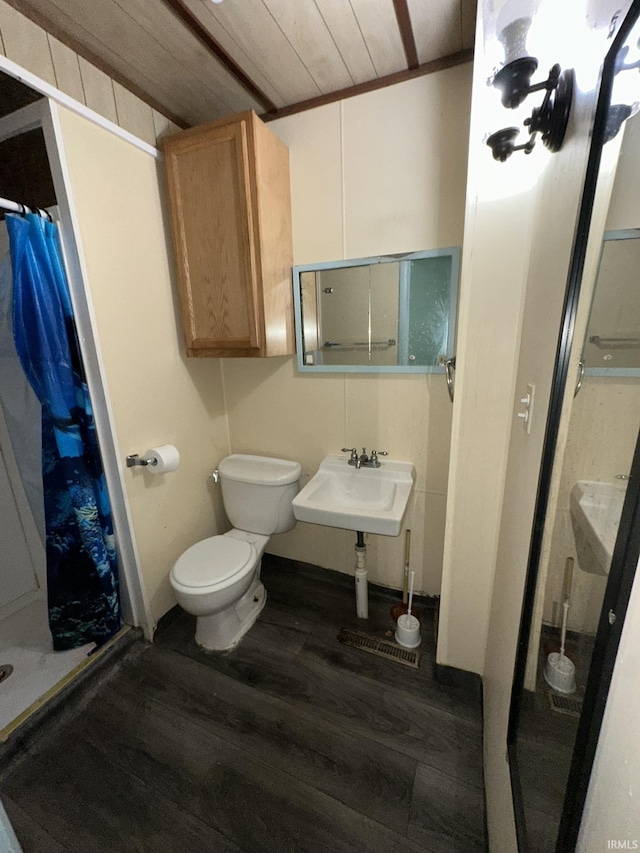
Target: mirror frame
column 627, row 548
column 453, row 252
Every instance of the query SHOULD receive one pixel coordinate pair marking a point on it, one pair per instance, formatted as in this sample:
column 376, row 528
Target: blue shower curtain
column 82, row 577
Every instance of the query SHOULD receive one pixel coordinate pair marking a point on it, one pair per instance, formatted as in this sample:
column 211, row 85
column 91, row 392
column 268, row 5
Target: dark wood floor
column 292, row 742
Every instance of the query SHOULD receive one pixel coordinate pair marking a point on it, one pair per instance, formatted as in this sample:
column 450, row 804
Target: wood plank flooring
column 292, row 742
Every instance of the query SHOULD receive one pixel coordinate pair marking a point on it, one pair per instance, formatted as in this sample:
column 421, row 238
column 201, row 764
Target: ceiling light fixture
column 513, row 80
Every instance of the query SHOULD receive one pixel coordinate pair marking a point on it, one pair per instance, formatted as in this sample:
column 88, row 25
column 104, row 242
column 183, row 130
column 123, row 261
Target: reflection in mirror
column 592, row 462
column 383, row 314
column 612, row 342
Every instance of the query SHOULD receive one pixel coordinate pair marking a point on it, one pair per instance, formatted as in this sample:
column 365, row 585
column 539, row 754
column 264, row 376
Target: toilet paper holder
column 157, row 460
column 136, row 459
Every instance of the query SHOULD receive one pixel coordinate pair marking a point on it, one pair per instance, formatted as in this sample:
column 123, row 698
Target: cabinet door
column 214, row 231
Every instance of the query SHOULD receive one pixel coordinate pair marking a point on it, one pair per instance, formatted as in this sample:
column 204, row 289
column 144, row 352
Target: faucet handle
column 352, row 451
column 376, row 453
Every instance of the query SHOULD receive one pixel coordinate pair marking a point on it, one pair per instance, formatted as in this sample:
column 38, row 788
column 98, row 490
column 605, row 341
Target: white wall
column 548, row 267
column 498, row 236
column 524, row 279
column 157, row 395
column 499, row 200
column 612, row 808
column 603, row 426
column 379, row 173
column 602, row 436
column 625, row 203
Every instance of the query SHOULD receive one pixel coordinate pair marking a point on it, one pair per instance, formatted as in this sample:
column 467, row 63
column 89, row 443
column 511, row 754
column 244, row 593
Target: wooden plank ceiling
column 196, row 60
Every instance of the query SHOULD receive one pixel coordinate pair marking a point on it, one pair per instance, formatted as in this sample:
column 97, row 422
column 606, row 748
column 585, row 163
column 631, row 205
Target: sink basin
column 595, row 510
column 372, row 500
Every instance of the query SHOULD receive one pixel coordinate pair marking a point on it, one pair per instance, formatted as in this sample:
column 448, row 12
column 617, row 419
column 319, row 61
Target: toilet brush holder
column 408, row 631
column 560, row 673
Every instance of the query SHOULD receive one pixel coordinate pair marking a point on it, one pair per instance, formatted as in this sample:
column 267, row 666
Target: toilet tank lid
column 266, row 470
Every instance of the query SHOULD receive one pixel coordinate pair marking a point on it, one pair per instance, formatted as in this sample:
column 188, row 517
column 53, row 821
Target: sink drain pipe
column 362, row 593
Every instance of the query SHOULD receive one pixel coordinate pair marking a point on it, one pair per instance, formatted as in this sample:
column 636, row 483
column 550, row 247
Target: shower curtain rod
column 17, row 207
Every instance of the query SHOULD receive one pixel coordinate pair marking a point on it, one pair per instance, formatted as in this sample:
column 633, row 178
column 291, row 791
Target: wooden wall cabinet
column 230, row 206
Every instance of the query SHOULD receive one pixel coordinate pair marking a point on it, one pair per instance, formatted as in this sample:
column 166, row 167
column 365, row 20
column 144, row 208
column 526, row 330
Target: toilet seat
column 213, row 562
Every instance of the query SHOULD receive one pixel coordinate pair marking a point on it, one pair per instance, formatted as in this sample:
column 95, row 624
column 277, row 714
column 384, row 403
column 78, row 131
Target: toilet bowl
column 218, row 579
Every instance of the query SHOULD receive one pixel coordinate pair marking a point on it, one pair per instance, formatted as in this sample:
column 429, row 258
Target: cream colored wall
column 615, row 310
column 524, row 279
column 379, row 173
column 495, row 251
column 602, row 430
column 625, row 203
column 157, row 395
column 498, row 237
column 602, row 437
column 33, row 48
column 552, row 244
column 617, row 209
column 497, row 232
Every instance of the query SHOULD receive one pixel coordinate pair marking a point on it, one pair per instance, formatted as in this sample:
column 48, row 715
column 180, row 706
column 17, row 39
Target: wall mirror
column 585, row 542
column 391, row 313
column 612, row 343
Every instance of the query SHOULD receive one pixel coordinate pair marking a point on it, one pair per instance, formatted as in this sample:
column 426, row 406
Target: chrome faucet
column 374, row 461
column 354, row 459
column 364, row 461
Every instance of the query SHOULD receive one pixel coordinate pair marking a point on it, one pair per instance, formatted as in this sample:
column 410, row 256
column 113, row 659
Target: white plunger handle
column 405, row 577
column 413, row 574
column 563, row 632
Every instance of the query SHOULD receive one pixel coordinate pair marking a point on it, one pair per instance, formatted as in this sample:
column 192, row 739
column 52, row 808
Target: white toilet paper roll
column 162, row 459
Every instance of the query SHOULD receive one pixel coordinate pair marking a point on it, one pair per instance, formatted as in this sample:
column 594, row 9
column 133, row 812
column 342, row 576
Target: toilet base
column 224, row 630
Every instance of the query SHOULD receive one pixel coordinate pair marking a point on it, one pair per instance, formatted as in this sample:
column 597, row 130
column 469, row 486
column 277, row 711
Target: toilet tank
column 257, row 492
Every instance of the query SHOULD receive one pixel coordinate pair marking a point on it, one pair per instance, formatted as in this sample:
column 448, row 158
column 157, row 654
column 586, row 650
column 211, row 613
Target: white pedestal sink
column 595, row 515
column 371, row 500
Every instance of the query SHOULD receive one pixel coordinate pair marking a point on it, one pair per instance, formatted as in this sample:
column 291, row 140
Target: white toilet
column 218, row 579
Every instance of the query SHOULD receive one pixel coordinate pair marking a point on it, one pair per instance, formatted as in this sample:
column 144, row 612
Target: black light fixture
column 513, row 80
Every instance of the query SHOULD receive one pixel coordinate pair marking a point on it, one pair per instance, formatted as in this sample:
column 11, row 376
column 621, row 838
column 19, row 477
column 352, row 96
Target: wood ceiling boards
column 199, row 61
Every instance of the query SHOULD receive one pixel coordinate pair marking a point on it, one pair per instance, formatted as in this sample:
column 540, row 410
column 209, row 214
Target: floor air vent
column 565, row 705
column 5, row 671
column 382, row 648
